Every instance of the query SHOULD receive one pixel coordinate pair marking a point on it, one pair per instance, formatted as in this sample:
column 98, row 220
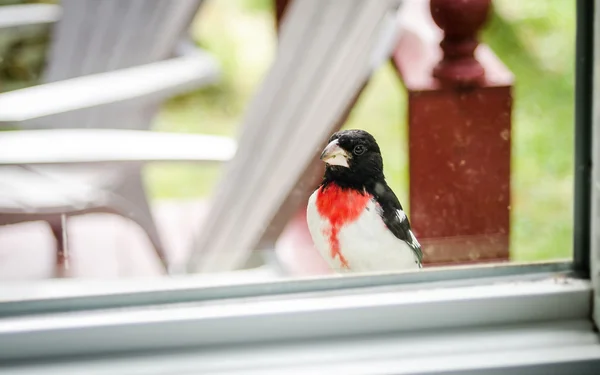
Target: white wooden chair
column 83, row 134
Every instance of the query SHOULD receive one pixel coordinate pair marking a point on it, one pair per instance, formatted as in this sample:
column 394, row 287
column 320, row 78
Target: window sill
column 58, row 295
column 503, row 323
column 566, row 347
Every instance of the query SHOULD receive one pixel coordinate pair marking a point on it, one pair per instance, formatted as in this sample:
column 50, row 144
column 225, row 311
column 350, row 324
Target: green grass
column 533, row 38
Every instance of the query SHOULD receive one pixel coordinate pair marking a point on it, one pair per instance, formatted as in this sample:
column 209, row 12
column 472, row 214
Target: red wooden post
column 280, row 7
column 459, row 118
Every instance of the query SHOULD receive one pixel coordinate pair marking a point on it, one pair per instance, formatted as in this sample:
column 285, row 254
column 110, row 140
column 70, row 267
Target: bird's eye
column 358, row 150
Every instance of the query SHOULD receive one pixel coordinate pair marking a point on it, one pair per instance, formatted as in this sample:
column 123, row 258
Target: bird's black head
column 353, row 160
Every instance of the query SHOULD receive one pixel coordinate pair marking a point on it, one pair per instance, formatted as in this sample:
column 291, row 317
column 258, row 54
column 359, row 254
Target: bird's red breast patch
column 340, row 207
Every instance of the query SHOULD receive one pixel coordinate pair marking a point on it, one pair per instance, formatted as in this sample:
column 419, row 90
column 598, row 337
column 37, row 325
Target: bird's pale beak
column 333, row 154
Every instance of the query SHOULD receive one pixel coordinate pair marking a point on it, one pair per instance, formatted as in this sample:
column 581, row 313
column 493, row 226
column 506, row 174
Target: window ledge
column 568, row 347
column 58, row 295
column 464, row 314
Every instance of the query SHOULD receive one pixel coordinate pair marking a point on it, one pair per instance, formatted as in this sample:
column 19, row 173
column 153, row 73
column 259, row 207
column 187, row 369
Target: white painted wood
column 80, row 146
column 160, row 79
column 23, row 191
column 28, row 14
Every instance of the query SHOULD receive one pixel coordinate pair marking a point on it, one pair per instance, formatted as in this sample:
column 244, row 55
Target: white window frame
column 487, row 319
column 536, row 322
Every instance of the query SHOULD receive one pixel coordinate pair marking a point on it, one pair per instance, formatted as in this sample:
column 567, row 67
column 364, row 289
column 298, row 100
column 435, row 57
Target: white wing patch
column 401, row 215
column 413, row 239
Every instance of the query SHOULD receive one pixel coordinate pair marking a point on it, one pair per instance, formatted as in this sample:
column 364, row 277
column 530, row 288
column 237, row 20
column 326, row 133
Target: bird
column 354, row 218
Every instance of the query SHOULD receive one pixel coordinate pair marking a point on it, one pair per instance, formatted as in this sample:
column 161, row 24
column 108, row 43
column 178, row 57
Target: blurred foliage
column 536, row 40
column 257, row 5
column 22, row 51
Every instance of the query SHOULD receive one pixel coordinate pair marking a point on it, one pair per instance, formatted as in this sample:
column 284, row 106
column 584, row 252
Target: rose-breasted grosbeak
column 354, row 218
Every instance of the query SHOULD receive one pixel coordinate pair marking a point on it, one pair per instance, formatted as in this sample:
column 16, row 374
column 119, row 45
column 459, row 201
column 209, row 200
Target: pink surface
column 109, row 246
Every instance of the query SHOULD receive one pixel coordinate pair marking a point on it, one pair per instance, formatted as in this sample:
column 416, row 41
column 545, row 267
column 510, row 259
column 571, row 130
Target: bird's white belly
column 366, row 243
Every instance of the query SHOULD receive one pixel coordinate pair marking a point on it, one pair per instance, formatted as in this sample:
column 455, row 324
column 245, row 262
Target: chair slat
column 281, row 138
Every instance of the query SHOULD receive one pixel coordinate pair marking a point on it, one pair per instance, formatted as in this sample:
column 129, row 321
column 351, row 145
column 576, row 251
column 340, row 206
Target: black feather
column 399, row 226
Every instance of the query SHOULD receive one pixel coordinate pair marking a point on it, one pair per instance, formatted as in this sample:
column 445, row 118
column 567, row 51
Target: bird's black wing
column 395, row 218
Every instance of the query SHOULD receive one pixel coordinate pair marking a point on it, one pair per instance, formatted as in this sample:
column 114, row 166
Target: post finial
column 460, row 20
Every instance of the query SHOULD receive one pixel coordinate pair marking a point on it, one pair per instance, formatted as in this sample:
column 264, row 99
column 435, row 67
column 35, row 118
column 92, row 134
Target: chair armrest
column 158, row 80
column 28, row 14
column 85, row 146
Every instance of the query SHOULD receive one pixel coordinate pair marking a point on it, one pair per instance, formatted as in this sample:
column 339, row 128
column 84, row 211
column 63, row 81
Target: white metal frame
column 54, row 296
column 507, row 324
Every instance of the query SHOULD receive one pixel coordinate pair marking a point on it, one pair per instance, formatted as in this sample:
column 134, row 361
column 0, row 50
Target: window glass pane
column 478, row 150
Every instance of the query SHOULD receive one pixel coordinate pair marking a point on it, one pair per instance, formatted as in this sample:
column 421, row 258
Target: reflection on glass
column 477, row 146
